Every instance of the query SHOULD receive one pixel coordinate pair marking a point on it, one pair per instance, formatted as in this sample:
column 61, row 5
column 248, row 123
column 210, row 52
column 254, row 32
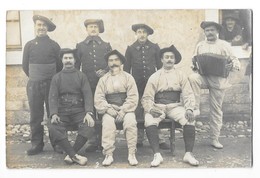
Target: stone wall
column 178, row 27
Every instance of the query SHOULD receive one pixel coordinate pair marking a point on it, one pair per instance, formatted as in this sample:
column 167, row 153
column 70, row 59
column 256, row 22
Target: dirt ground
column 236, row 138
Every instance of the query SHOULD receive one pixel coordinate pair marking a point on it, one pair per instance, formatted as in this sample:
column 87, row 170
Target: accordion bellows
column 211, row 64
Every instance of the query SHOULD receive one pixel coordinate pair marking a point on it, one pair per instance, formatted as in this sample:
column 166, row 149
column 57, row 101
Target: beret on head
column 233, row 16
column 135, row 27
column 205, row 24
column 67, row 50
column 175, row 52
column 99, row 22
column 51, row 26
column 121, row 56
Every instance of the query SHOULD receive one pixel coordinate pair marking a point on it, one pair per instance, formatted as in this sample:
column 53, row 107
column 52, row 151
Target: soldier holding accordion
column 212, row 61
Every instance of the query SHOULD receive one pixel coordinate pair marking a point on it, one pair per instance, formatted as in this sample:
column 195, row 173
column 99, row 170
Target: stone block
column 14, row 105
column 16, row 94
column 14, row 71
column 16, row 82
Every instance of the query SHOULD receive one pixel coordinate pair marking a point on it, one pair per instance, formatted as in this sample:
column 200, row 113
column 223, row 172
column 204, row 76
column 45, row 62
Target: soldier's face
column 230, row 22
column 141, row 35
column 68, row 61
column 41, row 28
column 168, row 60
column 92, row 29
column 114, row 62
column 211, row 33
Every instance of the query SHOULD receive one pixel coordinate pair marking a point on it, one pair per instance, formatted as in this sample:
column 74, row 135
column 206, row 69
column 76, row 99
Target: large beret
column 51, row 26
column 135, row 27
column 99, row 22
column 67, row 50
column 232, row 16
column 175, row 52
column 121, row 56
column 205, row 24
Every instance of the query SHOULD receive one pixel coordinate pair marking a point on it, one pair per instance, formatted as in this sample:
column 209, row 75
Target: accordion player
column 211, row 64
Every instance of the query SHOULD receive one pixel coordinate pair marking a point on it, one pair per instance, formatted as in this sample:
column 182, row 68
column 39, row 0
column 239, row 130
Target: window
column 240, row 25
column 13, row 31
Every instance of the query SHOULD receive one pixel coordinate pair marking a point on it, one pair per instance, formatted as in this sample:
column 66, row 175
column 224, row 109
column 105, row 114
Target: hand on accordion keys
column 229, row 66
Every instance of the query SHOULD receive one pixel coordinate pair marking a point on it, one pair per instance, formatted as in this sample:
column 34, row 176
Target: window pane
column 12, row 15
column 13, row 33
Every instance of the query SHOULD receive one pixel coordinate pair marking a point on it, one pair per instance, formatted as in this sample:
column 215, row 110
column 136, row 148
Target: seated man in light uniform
column 161, row 99
column 116, row 98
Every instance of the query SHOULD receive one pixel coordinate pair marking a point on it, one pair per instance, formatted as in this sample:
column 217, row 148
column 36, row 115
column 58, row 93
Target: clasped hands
column 116, row 112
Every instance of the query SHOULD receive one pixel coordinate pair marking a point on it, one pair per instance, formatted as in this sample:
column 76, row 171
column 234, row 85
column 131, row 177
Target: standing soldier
column 142, row 60
column 40, row 63
column 71, row 106
column 216, row 85
column 91, row 54
column 116, row 98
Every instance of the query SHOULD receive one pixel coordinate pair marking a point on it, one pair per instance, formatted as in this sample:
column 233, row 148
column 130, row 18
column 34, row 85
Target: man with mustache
column 71, row 106
column 216, row 85
column 142, row 60
column 116, row 98
column 90, row 53
column 161, row 99
column 40, row 63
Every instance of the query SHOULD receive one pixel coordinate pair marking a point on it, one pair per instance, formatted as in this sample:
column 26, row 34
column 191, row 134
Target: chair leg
column 172, row 137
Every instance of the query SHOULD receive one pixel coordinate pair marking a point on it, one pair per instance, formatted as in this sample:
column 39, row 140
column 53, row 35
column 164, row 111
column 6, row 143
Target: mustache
column 68, row 63
column 114, row 65
column 169, row 62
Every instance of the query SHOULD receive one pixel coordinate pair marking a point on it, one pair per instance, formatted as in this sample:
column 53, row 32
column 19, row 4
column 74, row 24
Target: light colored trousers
column 109, row 133
column 216, row 97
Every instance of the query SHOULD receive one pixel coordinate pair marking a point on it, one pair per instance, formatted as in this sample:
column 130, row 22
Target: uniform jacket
column 90, row 53
column 111, row 84
column 142, row 60
column 41, row 58
column 70, row 93
column 168, row 80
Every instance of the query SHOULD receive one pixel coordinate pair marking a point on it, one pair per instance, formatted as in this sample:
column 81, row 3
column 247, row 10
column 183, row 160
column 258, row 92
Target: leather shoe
column 164, row 146
column 35, row 150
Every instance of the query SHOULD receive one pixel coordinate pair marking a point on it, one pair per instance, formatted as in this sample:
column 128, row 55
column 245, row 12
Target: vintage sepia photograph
column 107, row 89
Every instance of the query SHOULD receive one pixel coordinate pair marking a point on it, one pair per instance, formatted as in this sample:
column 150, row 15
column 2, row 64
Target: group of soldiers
column 142, row 84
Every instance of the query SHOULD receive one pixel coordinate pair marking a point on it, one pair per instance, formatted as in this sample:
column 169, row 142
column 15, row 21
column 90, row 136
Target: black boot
column 189, row 137
column 153, row 137
column 36, row 149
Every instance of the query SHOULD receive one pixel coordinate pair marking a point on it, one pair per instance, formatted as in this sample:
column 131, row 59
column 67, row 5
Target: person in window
column 232, row 31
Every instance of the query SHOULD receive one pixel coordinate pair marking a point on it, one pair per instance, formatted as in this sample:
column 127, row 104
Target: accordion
column 211, row 64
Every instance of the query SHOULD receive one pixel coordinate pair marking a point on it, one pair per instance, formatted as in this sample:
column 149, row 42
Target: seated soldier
column 71, row 105
column 161, row 99
column 116, row 98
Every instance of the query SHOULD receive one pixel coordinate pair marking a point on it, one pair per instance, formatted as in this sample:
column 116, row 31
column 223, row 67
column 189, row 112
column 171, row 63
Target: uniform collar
column 93, row 38
column 69, row 70
column 138, row 46
column 42, row 38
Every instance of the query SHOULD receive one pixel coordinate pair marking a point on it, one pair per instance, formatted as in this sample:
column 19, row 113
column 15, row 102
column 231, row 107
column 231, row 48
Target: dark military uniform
column 70, row 98
column 40, row 63
column 91, row 54
column 142, row 61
